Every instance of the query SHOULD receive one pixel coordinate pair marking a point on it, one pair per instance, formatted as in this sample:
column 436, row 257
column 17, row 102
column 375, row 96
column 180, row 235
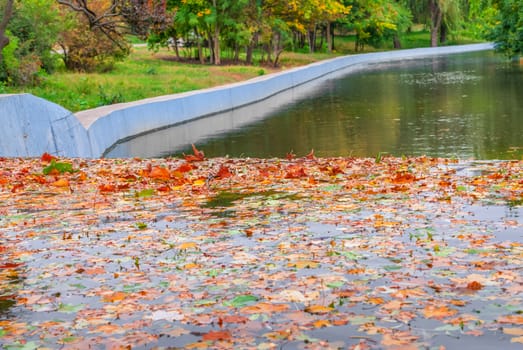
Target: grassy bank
column 147, row 74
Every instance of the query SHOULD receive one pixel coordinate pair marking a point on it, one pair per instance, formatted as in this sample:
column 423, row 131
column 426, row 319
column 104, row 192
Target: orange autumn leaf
column 159, row 173
column 191, row 266
column 403, row 177
column 109, row 329
column 61, row 183
column 198, row 155
column 511, row 319
column 217, row 335
column 321, row 323
column 185, row 168
column 402, row 339
column 438, row 312
column 302, row 264
column 375, row 301
column 114, row 297
column 95, row 271
column 106, row 188
column 295, row 172
column 318, row 309
column 234, row 319
column 188, row 245
column 513, row 331
column 264, row 307
column 164, row 188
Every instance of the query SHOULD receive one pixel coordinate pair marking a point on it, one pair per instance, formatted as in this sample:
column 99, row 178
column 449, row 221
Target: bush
column 86, row 50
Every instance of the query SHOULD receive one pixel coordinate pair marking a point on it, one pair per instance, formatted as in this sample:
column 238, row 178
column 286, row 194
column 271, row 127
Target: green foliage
column 508, row 32
column 10, row 62
column 36, row 23
column 59, row 167
column 33, row 31
column 378, row 21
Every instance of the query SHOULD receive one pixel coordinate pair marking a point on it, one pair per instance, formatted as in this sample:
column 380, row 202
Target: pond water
column 464, row 106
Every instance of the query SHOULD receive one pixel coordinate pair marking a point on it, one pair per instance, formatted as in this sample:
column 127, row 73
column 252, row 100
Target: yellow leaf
column 188, row 245
column 318, row 309
column 190, row 266
column 513, row 331
column 301, row 264
column 517, row 340
column 199, row 182
column 375, row 301
column 322, row 323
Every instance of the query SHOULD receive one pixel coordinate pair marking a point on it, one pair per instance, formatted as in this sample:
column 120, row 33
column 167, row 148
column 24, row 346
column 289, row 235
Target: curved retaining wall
column 32, row 126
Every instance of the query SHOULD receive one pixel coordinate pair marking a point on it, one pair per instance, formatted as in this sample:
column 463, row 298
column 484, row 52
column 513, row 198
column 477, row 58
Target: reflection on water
column 466, row 106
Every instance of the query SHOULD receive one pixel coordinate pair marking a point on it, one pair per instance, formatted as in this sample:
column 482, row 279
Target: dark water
column 465, row 106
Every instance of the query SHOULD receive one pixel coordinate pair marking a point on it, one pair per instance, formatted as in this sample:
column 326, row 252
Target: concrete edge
column 91, row 133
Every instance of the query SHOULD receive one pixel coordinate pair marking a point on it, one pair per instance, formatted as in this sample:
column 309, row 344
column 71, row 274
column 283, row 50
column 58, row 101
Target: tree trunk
column 216, row 38
column 435, row 22
column 4, row 40
column 216, row 46
column 443, row 33
column 312, row 39
column 333, row 47
column 250, row 48
column 200, row 50
column 211, row 48
column 329, row 38
column 397, row 43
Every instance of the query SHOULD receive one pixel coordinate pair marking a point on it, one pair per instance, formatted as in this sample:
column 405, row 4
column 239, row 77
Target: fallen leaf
column 217, row 335
column 60, row 183
column 321, row 323
column 318, row 309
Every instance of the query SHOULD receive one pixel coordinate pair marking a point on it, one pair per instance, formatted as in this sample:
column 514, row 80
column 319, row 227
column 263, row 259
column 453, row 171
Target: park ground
column 291, row 253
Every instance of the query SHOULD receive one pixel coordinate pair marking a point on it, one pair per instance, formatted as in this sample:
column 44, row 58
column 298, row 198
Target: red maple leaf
column 224, row 172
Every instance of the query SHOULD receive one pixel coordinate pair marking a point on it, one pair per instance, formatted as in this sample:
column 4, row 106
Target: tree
column 508, row 33
column 36, row 24
column 377, row 21
column 94, row 39
column 6, row 17
column 32, row 30
column 441, row 16
column 102, row 16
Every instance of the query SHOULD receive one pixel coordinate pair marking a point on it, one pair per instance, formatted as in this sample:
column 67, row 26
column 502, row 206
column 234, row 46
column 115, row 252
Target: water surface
column 465, row 106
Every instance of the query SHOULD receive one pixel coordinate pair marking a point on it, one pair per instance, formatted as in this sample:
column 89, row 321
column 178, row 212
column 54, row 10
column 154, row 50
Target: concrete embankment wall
column 32, row 126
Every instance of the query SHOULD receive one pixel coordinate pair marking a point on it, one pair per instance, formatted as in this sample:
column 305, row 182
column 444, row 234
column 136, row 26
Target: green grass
column 146, row 74
column 143, row 74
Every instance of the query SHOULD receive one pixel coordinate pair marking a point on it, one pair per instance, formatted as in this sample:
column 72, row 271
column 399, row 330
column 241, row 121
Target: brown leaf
column 474, row 285
column 217, row 335
column 295, row 172
column 198, row 155
column 318, row 309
